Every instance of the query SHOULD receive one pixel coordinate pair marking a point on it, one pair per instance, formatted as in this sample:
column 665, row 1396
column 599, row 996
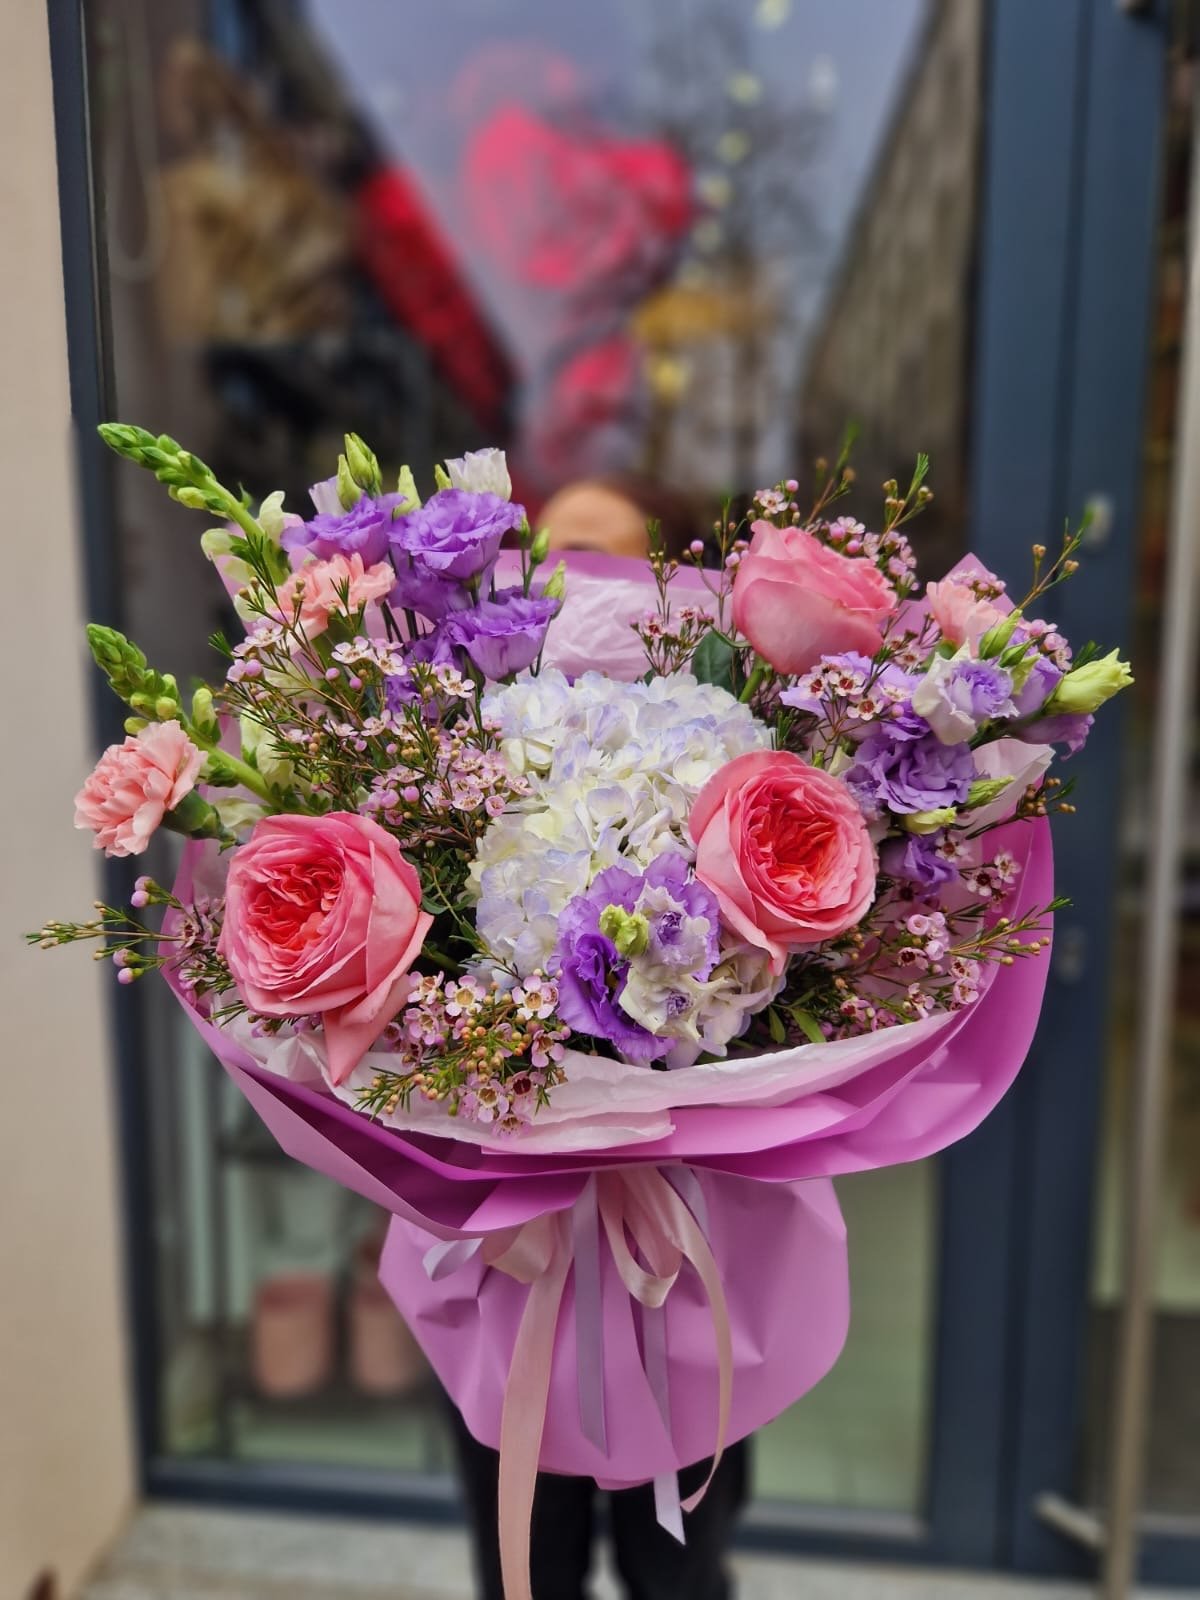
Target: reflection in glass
column 1173, row 1464
column 665, row 252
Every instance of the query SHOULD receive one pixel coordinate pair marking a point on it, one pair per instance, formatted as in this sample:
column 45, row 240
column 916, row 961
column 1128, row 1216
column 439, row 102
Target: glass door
column 662, row 254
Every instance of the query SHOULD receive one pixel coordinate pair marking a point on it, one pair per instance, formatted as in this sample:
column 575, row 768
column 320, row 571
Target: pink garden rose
column 134, row 785
column 959, row 612
column 786, row 851
column 797, row 600
column 323, row 914
column 317, row 585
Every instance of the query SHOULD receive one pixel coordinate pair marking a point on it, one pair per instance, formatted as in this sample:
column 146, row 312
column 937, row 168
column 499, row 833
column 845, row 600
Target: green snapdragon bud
column 363, row 465
column 270, row 516
column 216, row 542
column 1088, row 687
column 204, row 715
column 929, row 821
column 628, row 930
column 194, row 499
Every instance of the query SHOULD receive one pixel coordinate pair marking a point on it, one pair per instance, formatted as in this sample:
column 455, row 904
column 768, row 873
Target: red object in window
column 413, row 270
column 592, row 393
column 572, row 209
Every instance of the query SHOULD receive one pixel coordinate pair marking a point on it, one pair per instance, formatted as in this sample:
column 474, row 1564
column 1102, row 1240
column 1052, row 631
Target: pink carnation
column 319, row 586
column 134, row 785
column 959, row 612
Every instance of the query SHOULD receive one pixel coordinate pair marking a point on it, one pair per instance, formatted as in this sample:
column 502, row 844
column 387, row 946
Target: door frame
column 1061, row 317
column 1089, row 452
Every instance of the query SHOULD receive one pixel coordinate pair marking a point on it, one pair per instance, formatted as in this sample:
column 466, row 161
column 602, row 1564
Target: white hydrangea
column 613, row 769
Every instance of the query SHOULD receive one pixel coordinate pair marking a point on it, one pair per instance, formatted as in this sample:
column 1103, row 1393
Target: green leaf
column 809, row 1026
column 775, row 1024
column 713, row 661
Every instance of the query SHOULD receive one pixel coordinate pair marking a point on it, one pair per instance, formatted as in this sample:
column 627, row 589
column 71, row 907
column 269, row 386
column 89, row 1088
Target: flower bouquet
column 591, row 923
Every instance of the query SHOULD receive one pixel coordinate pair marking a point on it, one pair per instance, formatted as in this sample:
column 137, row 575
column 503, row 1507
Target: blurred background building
column 692, row 241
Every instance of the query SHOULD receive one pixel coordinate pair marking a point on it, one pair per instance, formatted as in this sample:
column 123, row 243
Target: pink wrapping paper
column 777, row 1238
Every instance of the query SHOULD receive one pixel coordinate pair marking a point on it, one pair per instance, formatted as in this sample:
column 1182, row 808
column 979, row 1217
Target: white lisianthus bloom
column 482, row 472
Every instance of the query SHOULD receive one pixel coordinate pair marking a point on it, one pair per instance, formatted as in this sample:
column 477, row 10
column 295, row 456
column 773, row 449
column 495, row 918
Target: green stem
column 753, row 682
column 239, row 514
column 245, row 774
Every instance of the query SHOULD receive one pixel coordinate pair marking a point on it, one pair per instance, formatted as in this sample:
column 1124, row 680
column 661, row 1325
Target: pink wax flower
column 797, row 600
column 319, row 585
column 785, row 849
column 323, row 914
column 960, row 613
column 134, row 784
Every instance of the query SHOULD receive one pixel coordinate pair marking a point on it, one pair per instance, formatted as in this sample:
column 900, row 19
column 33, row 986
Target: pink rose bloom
column 134, row 785
column 323, row 914
column 786, row 851
column 318, row 586
column 959, row 612
column 797, row 600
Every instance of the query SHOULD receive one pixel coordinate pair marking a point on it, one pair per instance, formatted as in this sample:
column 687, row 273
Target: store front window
column 679, row 245
column 1173, row 1435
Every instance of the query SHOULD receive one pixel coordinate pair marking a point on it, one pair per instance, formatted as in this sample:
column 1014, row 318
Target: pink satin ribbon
column 641, row 1210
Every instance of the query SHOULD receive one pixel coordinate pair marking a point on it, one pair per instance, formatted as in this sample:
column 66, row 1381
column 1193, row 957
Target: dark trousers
column 652, row 1565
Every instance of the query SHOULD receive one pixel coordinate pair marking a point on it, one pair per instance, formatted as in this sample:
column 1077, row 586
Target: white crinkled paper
column 604, row 1103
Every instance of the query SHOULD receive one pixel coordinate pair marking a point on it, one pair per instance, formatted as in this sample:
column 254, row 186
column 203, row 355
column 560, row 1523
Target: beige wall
column 65, row 1470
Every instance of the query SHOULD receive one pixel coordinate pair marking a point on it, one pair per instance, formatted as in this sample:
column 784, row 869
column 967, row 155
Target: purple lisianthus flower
column 431, row 649
column 325, row 497
column 364, row 530
column 1044, row 677
column 592, row 973
column 504, row 635
column 428, row 593
column 683, row 917
column 916, row 860
column 1069, row 727
column 958, row 694
column 908, row 775
column 456, row 534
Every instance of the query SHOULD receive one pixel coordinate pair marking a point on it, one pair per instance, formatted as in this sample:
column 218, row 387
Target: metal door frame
column 1061, row 318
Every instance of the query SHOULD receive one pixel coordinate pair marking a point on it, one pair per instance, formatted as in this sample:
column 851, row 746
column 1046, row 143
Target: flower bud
column 995, row 639
column 363, row 465
column 555, row 586
column 165, row 708
column 930, row 821
column 270, row 516
column 1088, row 687
column 134, row 725
column 406, row 486
column 348, row 491
column 187, row 495
column 984, row 790
column 540, row 548
column 628, row 930
column 204, row 716
column 216, row 542
column 441, row 477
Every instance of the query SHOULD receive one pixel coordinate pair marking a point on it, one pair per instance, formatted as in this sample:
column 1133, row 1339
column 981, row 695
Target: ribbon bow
column 657, row 1209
